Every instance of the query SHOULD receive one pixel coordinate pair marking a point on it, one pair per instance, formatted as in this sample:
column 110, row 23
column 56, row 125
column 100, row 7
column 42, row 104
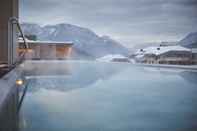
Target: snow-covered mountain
column 190, row 41
column 86, row 42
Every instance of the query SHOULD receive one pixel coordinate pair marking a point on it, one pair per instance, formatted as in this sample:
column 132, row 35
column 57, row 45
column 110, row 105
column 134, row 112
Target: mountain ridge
column 84, row 39
column 190, row 41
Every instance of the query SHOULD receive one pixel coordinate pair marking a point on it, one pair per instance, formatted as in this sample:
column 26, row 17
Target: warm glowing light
column 30, row 51
column 19, row 82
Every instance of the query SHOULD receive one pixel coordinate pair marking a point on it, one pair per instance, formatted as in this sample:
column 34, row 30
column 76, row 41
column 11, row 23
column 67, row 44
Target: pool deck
column 3, row 70
column 9, row 96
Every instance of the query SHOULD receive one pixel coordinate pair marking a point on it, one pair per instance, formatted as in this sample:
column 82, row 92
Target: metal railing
column 21, row 57
column 11, row 62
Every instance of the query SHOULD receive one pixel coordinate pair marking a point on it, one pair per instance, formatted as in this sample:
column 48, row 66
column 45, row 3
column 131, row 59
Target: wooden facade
column 47, row 50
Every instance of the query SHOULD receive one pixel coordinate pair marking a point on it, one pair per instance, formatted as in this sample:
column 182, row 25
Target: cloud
column 124, row 20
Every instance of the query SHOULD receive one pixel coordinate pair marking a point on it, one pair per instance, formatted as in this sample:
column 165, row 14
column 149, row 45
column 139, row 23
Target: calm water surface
column 111, row 97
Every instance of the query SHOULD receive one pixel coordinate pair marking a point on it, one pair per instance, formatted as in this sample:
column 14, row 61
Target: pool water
column 111, row 97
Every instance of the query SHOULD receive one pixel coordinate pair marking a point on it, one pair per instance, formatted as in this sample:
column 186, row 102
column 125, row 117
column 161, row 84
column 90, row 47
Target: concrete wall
column 9, row 8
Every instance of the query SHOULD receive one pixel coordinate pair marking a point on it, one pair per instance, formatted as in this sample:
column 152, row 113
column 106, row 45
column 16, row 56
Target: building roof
column 161, row 50
column 20, row 40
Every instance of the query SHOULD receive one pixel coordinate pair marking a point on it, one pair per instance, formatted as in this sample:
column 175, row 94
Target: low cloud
column 128, row 21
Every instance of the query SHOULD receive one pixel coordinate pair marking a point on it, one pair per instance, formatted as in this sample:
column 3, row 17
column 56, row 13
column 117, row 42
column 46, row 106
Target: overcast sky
column 128, row 21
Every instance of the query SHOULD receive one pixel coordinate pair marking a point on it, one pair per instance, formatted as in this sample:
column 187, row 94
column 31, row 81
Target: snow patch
column 111, row 57
column 160, row 50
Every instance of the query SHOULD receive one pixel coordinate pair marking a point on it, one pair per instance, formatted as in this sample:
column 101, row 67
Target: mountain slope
column 84, row 40
column 190, row 41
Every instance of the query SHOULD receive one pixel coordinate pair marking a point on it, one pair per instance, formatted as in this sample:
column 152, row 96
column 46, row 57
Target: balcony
column 47, row 50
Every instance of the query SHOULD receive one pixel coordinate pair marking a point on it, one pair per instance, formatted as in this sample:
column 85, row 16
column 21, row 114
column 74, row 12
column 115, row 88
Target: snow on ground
column 52, row 30
column 132, row 61
column 111, row 57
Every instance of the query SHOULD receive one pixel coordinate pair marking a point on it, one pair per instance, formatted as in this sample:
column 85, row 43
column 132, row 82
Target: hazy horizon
column 130, row 22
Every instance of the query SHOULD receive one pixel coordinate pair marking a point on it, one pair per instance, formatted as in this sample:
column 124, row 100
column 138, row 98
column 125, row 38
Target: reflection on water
column 189, row 76
column 111, row 97
column 80, row 75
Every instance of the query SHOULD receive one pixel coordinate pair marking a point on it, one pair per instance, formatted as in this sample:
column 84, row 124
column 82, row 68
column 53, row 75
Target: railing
column 12, row 63
column 21, row 57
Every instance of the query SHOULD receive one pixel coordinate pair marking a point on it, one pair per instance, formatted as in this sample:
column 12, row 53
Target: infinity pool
column 91, row 96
